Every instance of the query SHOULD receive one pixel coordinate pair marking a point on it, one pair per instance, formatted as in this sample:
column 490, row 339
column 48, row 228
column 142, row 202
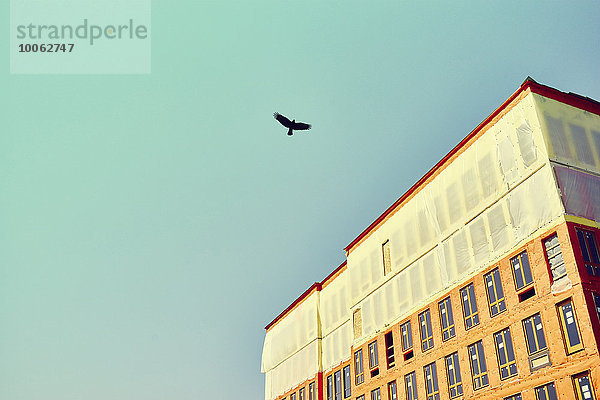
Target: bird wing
column 283, row 120
column 301, row 126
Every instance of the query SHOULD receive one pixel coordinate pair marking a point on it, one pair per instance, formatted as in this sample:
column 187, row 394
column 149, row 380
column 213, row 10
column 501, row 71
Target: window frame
column 516, row 396
column 431, row 370
column 477, row 360
column 427, row 334
column 578, row 387
column 537, row 331
column 596, row 300
column 359, row 371
column 499, row 299
column 564, row 321
column 406, row 334
column 389, row 350
column 376, row 394
column 446, row 319
column 329, row 393
column 593, row 262
column 392, row 390
column 347, row 380
column 302, row 394
column 410, row 385
column 337, row 385
column 373, row 355
column 468, row 299
column 547, row 394
column 293, row 396
column 507, row 352
column 521, row 267
column 311, row 391
column 453, row 375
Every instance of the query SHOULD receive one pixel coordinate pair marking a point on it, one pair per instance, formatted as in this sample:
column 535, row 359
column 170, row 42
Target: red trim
column 306, row 293
column 572, row 99
column 335, row 271
column 320, row 385
column 317, row 285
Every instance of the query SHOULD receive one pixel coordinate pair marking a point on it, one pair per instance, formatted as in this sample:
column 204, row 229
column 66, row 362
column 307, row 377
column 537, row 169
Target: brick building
column 482, row 281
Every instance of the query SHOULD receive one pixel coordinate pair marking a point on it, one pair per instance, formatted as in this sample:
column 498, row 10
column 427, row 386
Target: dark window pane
column 347, row 384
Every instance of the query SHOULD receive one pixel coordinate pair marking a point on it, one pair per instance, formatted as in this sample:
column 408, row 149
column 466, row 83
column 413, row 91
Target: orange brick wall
column 563, row 365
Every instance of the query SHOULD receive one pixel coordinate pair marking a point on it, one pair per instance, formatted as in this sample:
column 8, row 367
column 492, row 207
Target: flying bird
column 291, row 125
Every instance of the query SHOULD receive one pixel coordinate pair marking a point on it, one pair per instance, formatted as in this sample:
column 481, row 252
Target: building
column 482, row 281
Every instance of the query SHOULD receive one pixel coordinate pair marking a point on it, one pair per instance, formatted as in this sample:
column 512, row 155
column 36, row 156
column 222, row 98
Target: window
column 454, row 380
column 337, row 384
column 589, row 251
column 389, row 349
column 347, row 385
column 358, row 367
column 392, row 392
column 330, row 387
column 447, row 319
column 478, row 367
column 376, row 394
column 546, row 392
column 373, row 359
column 568, row 323
column 555, row 258
column 311, row 391
column 301, row 394
column 506, row 354
column 361, row 397
column 521, row 270
column 431, row 383
column 410, row 381
column 534, row 334
column 514, row 397
column 469, row 306
column 293, row 396
column 426, row 332
column 387, row 259
column 407, row 343
column 597, row 304
column 495, row 293
column 583, row 387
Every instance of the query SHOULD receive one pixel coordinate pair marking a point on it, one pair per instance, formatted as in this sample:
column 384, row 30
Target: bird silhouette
column 291, row 125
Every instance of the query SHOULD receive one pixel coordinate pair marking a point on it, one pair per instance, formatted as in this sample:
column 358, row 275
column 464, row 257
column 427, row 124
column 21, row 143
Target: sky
column 152, row 225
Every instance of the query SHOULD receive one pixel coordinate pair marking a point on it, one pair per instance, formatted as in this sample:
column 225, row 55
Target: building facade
column 482, row 281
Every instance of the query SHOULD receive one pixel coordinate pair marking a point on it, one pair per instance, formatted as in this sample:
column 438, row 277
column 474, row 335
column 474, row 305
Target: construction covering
column 496, row 192
column 573, row 138
column 291, row 349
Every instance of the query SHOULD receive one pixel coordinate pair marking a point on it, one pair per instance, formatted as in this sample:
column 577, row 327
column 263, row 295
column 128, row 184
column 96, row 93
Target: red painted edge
column 572, row 99
column 321, row 384
column 316, row 285
column 306, row 293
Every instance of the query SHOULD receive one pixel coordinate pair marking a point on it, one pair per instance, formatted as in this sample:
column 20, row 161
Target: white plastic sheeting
column 334, row 308
column 580, row 192
column 444, row 229
column 573, row 135
column 292, row 333
column 529, row 206
column 336, row 346
column 299, row 367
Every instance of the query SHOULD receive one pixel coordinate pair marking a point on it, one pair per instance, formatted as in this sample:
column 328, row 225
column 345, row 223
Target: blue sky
column 152, row 225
